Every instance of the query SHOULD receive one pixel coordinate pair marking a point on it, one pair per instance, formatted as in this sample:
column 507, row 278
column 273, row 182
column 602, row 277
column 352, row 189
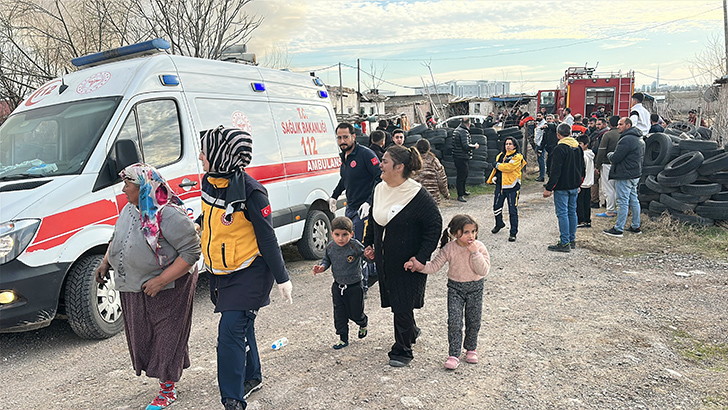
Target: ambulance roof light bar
column 133, row 50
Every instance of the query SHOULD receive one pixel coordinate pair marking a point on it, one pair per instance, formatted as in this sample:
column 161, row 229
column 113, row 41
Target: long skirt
column 158, row 328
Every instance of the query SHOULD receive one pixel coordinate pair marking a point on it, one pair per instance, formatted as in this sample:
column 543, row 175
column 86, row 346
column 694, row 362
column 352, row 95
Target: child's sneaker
column 471, row 357
column 362, row 332
column 340, row 345
column 452, row 363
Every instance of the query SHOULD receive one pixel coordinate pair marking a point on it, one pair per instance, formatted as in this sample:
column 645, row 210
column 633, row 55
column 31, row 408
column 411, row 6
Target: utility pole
column 358, row 86
column 341, row 92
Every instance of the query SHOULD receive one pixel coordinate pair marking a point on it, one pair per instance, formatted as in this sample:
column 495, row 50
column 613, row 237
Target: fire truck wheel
column 94, row 310
column 316, row 235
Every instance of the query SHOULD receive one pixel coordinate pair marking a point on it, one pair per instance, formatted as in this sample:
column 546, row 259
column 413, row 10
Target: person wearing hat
column 639, row 115
column 241, row 252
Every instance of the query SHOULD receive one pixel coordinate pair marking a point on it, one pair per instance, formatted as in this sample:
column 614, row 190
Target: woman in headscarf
column 405, row 223
column 153, row 252
column 241, row 252
column 432, row 175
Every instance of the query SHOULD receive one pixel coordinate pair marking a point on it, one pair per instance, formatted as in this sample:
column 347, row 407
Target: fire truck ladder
column 623, row 99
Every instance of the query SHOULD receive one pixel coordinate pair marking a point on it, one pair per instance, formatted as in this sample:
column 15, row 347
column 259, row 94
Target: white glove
column 364, row 210
column 286, row 288
column 332, row 205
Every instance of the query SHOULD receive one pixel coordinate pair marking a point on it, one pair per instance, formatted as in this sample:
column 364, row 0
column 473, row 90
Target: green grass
column 713, row 356
column 474, row 190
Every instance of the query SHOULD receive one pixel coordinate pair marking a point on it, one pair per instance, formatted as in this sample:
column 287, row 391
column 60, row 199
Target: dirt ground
column 578, row 330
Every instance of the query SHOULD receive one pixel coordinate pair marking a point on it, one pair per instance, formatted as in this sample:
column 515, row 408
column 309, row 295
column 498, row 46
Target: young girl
column 469, row 262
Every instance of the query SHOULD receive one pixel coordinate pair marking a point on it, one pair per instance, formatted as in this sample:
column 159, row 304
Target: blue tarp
column 509, row 99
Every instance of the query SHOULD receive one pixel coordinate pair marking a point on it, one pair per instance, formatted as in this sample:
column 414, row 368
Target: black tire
column 493, row 154
column 674, row 204
column 711, row 153
column 698, row 145
column 651, row 183
column 412, row 139
column 683, row 164
column 701, row 189
column 681, row 127
column 657, row 207
column 476, row 131
column 719, row 177
column 695, row 220
column 418, row 129
column 714, row 164
column 689, row 199
column 476, row 164
column 428, row 134
column 658, row 147
column 652, row 169
column 94, row 310
column 717, row 213
column 490, row 134
column 492, row 144
column 316, row 235
column 646, row 198
column 677, row 181
column 704, row 133
column 475, row 180
column 721, row 196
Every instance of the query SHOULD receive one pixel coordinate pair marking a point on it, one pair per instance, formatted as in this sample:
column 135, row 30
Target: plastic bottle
column 279, row 343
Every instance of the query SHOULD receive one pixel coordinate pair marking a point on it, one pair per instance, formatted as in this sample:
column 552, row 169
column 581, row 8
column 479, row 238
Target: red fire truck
column 585, row 91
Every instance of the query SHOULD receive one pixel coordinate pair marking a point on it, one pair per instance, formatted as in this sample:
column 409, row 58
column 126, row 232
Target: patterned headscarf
column 154, row 194
column 227, row 149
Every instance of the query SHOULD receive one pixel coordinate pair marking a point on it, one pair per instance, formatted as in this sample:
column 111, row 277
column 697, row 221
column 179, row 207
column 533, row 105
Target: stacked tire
column 692, row 187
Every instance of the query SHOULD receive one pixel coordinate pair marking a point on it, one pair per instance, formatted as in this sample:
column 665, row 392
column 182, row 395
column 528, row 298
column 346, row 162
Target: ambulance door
column 164, row 141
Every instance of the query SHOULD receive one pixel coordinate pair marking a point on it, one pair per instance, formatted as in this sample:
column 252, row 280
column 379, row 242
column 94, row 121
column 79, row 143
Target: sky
column 529, row 43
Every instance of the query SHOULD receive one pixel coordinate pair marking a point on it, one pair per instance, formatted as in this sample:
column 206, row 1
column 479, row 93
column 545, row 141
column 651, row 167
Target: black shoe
column 340, row 345
column 634, row 230
column 512, row 238
column 539, row 179
column 466, row 193
column 497, row 228
column 397, row 363
column 251, row 386
column 595, row 205
column 418, row 332
column 232, row 404
column 559, row 247
column 572, row 244
column 584, row 225
column 362, row 332
column 613, row 232
column 461, row 199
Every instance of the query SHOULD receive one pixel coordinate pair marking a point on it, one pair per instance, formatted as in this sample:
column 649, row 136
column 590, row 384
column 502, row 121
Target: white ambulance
column 61, row 150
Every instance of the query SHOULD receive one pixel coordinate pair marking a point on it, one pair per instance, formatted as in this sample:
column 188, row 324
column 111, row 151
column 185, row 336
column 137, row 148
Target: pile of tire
column 441, row 146
column 687, row 178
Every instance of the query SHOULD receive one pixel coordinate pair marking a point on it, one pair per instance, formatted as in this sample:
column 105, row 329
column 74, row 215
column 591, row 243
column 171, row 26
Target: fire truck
column 585, row 91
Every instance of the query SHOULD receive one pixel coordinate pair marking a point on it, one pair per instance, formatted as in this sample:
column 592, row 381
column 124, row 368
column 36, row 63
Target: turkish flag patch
column 375, row 161
column 265, row 211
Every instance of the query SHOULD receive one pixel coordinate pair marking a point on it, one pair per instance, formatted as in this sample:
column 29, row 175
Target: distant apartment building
column 462, row 88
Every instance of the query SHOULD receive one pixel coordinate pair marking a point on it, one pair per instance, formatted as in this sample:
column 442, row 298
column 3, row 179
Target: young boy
column 344, row 255
column 583, row 200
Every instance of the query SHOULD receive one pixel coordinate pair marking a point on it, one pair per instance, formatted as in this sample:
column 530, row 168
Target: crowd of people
column 390, row 229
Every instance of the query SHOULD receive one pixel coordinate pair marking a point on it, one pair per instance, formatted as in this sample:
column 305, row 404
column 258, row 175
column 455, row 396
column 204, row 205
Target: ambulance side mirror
column 123, row 154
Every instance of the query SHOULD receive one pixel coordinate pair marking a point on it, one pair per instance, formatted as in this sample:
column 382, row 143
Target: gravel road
column 577, row 330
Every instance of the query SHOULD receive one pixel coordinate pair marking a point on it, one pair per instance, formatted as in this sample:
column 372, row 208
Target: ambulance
column 62, row 148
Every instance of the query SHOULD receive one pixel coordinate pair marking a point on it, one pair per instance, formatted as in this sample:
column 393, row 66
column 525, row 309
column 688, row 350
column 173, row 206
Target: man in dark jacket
column 655, row 124
column 462, row 151
column 626, row 170
column 566, row 174
column 549, row 140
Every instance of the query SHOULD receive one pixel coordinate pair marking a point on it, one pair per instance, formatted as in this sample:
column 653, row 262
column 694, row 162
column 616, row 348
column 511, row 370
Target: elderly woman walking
column 405, row 223
column 153, row 252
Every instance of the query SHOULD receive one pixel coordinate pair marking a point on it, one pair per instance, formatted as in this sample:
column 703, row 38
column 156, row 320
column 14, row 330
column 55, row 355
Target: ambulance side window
column 129, row 132
column 160, row 132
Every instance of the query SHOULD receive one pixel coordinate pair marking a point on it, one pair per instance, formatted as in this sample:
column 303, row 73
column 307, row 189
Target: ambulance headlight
column 15, row 237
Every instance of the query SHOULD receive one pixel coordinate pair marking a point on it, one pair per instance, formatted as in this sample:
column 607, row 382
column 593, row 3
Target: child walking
column 469, row 262
column 583, row 200
column 344, row 256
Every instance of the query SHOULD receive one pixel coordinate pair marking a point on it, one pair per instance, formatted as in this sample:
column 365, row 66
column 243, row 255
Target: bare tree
column 277, row 57
column 708, row 65
column 376, row 76
column 198, row 28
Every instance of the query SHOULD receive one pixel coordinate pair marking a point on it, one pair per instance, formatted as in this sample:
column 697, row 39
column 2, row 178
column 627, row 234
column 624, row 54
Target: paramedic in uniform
column 359, row 174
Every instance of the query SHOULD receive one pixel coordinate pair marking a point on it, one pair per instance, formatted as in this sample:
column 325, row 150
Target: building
column 415, row 107
column 461, row 88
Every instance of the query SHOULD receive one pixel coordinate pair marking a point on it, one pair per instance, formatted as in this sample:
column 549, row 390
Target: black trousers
column 348, row 304
column 583, row 205
column 405, row 335
column 461, row 165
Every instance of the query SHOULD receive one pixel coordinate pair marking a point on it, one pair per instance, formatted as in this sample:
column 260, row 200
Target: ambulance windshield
column 54, row 140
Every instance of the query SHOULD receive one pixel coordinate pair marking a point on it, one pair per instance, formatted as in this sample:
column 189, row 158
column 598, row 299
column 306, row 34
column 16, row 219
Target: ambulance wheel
column 94, row 310
column 316, row 235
